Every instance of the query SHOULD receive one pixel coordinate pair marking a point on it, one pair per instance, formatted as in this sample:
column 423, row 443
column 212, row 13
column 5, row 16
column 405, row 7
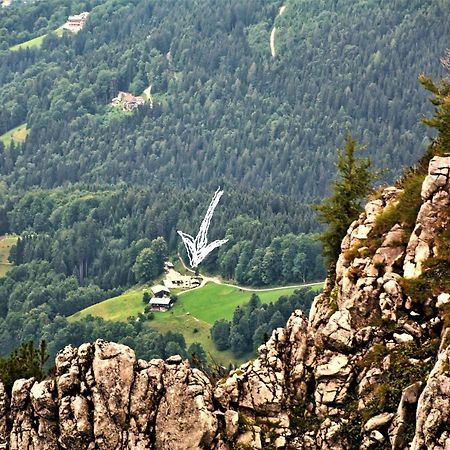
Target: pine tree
column 342, row 207
column 441, row 114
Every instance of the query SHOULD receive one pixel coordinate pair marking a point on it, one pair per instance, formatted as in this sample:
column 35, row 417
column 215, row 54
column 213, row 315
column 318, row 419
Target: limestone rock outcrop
column 369, row 369
column 433, row 411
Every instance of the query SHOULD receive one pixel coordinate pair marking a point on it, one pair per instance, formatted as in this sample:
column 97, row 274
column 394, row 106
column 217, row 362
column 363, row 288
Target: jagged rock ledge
column 369, row 369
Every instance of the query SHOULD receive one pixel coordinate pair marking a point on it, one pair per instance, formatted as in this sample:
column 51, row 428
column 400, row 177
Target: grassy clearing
column 116, row 308
column 37, row 41
column 18, row 134
column 215, row 301
column 207, row 304
column 193, row 315
column 193, row 330
column 5, row 246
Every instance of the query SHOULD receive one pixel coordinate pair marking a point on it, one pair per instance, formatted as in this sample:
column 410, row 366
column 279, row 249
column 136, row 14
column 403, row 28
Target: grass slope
column 193, row 315
column 6, row 243
column 215, row 301
column 18, row 134
column 35, row 42
column 116, row 308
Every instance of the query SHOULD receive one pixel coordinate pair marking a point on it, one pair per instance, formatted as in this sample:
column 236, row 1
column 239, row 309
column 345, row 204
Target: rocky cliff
column 370, row 368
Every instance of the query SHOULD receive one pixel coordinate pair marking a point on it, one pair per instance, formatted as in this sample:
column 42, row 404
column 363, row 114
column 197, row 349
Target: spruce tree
column 343, row 206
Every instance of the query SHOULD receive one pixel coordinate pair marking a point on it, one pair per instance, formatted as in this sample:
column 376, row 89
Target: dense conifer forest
column 92, row 186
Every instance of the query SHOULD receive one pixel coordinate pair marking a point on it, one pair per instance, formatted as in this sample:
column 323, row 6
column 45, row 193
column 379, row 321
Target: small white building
column 76, row 23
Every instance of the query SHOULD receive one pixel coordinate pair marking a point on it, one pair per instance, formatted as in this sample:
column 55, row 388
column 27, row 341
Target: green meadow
column 193, row 314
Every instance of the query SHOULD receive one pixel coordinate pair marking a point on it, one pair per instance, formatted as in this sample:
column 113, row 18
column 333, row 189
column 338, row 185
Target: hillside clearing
column 18, row 134
column 193, row 315
column 37, row 41
column 214, row 301
column 6, row 242
column 209, row 303
column 116, row 308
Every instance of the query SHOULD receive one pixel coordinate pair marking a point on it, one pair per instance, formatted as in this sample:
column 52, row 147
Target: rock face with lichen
column 369, row 369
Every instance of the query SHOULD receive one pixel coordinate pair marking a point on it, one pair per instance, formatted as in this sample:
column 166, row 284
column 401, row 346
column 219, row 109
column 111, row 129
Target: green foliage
column 265, row 137
column 441, row 114
column 435, row 278
column 150, row 261
column 373, row 357
column 288, row 259
column 32, row 295
column 351, row 430
column 98, row 235
column 26, row 21
column 302, row 420
column 403, row 212
column 400, row 374
column 196, row 309
column 220, row 334
column 145, row 341
column 24, row 362
column 146, row 267
column 253, row 323
column 339, row 210
column 197, row 354
column 146, row 298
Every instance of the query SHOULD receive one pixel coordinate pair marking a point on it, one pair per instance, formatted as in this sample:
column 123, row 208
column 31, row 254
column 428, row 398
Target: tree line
column 253, row 323
column 224, row 109
column 107, row 237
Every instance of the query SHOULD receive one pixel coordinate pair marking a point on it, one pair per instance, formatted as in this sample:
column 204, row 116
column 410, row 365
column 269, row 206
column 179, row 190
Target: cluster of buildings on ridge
column 161, row 300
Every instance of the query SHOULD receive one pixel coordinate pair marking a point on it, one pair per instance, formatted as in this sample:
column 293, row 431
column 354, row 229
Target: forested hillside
column 225, row 109
column 98, row 236
column 89, row 187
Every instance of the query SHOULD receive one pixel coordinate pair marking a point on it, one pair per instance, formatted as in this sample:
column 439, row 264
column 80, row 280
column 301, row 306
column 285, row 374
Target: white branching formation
column 198, row 249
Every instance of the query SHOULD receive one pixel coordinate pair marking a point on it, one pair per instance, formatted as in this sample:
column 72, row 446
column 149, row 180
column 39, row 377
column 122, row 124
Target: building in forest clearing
column 76, row 23
column 127, row 101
